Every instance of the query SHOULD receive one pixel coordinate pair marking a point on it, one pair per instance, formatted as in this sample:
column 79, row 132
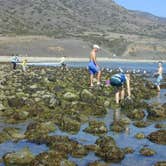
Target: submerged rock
column 140, row 136
column 128, row 150
column 20, row 158
column 158, row 137
column 141, row 124
column 98, row 163
column 147, row 152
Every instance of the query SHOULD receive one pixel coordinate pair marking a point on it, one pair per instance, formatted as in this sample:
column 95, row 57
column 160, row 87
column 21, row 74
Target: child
column 24, row 65
column 118, row 81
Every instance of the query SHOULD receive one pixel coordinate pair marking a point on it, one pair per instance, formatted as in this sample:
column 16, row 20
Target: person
column 159, row 76
column 119, row 80
column 14, row 61
column 24, row 65
column 93, row 67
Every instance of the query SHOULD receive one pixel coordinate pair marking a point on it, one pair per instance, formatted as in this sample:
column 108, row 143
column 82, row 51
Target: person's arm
column 128, row 85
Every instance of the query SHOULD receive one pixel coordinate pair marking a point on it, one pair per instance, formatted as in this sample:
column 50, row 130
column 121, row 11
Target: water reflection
column 117, row 117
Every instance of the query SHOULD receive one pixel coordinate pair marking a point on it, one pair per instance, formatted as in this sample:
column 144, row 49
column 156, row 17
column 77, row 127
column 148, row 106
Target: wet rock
column 2, row 108
column 41, row 128
column 20, row 158
column 51, row 158
column 147, row 152
column 96, row 127
column 160, row 163
column 69, row 125
column 117, row 126
column 70, row 96
column 156, row 111
column 160, row 126
column 108, row 150
column 15, row 102
column 158, row 137
column 87, row 96
column 128, row 150
column 79, row 151
column 141, row 124
column 140, row 136
column 12, row 134
column 136, row 114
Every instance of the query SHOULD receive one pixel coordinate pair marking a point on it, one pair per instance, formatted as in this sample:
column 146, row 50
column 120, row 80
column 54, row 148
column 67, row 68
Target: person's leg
column 98, row 77
column 158, row 88
column 122, row 94
column 91, row 79
column 117, row 96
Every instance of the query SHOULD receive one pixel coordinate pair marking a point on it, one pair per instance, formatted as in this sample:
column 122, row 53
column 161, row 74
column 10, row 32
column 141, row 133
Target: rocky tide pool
column 50, row 116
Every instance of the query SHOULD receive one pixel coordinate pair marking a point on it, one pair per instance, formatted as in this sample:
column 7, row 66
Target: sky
column 156, row 7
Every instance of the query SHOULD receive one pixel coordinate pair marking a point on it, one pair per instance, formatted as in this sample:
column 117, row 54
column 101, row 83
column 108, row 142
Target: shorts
column 93, row 69
column 158, row 81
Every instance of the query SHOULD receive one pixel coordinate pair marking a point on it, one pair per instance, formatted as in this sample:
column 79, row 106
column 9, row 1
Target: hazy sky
column 156, row 7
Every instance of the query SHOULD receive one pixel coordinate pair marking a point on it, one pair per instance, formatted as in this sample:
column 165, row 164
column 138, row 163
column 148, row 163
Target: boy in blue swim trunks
column 93, row 67
column 118, row 81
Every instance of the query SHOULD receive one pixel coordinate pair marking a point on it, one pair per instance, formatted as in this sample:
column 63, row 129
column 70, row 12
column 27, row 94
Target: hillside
column 91, row 20
column 57, row 17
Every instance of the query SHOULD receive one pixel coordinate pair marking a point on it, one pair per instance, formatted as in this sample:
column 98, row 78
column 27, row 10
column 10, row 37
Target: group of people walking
column 118, row 80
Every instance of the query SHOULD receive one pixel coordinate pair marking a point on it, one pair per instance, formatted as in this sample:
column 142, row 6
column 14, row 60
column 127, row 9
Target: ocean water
column 136, row 67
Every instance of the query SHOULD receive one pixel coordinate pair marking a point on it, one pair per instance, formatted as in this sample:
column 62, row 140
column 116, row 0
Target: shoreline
column 4, row 59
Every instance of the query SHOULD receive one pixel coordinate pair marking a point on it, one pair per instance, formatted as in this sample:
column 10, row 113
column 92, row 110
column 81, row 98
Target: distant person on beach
column 118, row 81
column 63, row 64
column 93, row 67
column 14, row 61
column 24, row 65
column 159, row 76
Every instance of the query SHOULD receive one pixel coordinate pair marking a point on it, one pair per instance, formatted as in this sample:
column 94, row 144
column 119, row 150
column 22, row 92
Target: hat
column 96, row 46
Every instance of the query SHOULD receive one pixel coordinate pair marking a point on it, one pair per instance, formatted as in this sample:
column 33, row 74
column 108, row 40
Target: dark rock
column 160, row 163
column 108, row 150
column 158, row 137
column 20, row 158
column 147, row 152
column 96, row 127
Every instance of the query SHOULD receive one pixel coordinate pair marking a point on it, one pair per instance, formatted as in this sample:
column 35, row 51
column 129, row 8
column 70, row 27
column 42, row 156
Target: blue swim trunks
column 158, row 81
column 93, row 69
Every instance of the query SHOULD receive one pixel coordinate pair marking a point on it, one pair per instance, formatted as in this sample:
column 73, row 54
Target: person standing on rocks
column 159, row 74
column 93, row 67
column 24, row 65
column 118, row 81
column 14, row 61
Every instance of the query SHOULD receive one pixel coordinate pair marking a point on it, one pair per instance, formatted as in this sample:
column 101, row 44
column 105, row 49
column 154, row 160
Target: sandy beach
column 73, row 59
